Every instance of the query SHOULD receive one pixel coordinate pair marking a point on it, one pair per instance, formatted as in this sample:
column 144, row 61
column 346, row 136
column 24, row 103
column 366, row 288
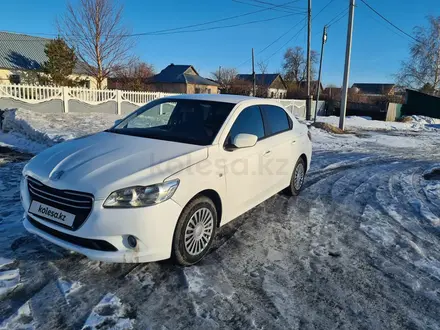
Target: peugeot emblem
column 57, row 175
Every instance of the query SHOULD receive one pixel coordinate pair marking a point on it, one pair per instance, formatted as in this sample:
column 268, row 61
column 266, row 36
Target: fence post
column 119, row 102
column 65, row 94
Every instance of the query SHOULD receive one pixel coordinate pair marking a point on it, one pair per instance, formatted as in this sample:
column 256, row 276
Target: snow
column 358, row 248
column 418, row 123
column 20, row 320
column 9, row 280
column 109, row 313
column 47, row 129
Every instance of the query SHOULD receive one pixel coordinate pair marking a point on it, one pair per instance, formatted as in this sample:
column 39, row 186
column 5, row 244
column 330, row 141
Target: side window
column 276, row 119
column 248, row 121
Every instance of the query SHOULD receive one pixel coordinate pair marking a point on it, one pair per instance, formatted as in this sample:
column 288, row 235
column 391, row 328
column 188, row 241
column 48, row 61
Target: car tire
column 297, row 179
column 195, row 231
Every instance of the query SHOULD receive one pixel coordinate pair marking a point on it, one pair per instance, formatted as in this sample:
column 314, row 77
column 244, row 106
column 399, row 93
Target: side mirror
column 244, row 140
column 117, row 122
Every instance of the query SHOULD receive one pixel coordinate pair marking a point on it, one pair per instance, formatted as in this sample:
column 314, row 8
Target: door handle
column 267, row 153
column 293, row 142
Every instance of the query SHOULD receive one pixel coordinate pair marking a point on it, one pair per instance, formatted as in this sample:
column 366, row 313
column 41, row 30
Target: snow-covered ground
column 32, row 131
column 358, row 249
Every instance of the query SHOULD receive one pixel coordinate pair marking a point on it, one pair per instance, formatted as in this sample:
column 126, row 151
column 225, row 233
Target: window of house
column 15, row 78
column 276, row 119
column 272, row 94
column 208, row 90
column 248, row 121
column 197, row 90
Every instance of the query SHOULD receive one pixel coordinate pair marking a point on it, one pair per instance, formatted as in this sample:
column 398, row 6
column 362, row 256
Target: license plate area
column 51, row 213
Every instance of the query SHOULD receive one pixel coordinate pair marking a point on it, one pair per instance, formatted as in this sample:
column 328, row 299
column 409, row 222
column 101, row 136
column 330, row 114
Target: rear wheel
column 195, row 231
column 297, row 179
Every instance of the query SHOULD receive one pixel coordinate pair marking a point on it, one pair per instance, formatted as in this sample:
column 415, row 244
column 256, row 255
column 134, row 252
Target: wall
column 418, row 103
column 65, row 99
column 4, row 76
column 91, row 79
column 31, row 77
column 277, row 93
column 51, row 106
column 169, row 88
column 191, row 89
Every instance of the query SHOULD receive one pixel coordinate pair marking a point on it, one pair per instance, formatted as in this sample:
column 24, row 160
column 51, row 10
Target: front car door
column 242, row 166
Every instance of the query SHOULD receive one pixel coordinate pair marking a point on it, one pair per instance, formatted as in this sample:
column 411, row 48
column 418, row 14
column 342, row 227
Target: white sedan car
column 162, row 181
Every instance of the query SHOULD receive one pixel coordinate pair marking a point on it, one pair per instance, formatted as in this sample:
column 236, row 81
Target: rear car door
column 282, row 148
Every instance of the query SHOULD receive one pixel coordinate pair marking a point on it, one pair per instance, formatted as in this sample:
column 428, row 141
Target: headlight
column 140, row 196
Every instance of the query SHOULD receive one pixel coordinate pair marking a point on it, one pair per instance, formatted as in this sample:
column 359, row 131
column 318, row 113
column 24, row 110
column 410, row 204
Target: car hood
column 104, row 162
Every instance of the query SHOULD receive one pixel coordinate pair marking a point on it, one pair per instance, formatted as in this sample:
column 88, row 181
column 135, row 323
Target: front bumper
column 153, row 227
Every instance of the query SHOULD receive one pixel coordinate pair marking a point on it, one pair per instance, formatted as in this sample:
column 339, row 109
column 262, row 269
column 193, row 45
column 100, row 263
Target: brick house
column 182, row 79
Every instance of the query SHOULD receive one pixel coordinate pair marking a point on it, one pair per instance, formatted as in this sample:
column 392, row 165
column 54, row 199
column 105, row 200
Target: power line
column 212, row 22
column 285, row 9
column 389, row 22
column 289, row 7
column 296, row 35
column 338, row 17
column 273, row 42
column 228, row 26
column 163, row 31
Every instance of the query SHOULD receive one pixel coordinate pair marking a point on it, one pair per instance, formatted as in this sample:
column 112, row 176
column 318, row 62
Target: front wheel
column 297, row 179
column 195, row 231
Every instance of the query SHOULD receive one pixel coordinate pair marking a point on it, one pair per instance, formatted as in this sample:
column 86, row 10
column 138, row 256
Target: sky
column 377, row 52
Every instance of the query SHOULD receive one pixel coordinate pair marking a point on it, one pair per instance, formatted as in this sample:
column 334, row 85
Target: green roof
column 24, row 52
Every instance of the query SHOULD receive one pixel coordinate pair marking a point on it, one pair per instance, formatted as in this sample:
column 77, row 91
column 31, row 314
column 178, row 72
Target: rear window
column 276, row 119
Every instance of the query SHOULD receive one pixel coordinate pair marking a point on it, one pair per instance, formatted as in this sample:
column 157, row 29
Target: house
column 372, row 89
column 268, row 84
column 182, row 79
column 21, row 58
column 313, row 84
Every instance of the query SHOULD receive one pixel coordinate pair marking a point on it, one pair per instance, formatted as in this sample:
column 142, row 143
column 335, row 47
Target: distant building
column 269, row 84
column 372, row 89
column 313, row 86
column 182, row 79
column 21, row 58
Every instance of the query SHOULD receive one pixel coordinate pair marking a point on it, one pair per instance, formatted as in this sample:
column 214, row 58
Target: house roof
column 372, row 88
column 313, row 84
column 261, row 79
column 24, row 52
column 180, row 74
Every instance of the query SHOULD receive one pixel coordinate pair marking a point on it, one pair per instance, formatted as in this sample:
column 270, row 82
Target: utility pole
column 347, row 66
column 253, row 74
column 309, row 63
column 324, row 40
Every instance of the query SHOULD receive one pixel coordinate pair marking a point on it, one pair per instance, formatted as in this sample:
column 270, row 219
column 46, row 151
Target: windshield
column 187, row 121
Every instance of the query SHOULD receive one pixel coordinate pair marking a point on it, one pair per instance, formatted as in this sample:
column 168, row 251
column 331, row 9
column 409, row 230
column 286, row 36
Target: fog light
column 131, row 240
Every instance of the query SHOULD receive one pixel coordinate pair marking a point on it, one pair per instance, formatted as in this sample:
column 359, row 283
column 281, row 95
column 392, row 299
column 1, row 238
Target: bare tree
column 133, row 75
column 422, row 69
column 262, row 67
column 94, row 29
column 295, row 64
column 226, row 77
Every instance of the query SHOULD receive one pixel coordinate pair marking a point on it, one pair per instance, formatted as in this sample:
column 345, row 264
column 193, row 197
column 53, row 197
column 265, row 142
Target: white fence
column 38, row 97
column 38, row 94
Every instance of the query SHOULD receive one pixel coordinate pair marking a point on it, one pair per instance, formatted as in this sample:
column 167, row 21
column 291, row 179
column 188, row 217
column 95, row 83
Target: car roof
column 214, row 97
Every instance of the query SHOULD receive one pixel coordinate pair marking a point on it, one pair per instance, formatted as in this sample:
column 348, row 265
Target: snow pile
column 418, row 123
column 109, row 312
column 424, row 120
column 47, row 129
